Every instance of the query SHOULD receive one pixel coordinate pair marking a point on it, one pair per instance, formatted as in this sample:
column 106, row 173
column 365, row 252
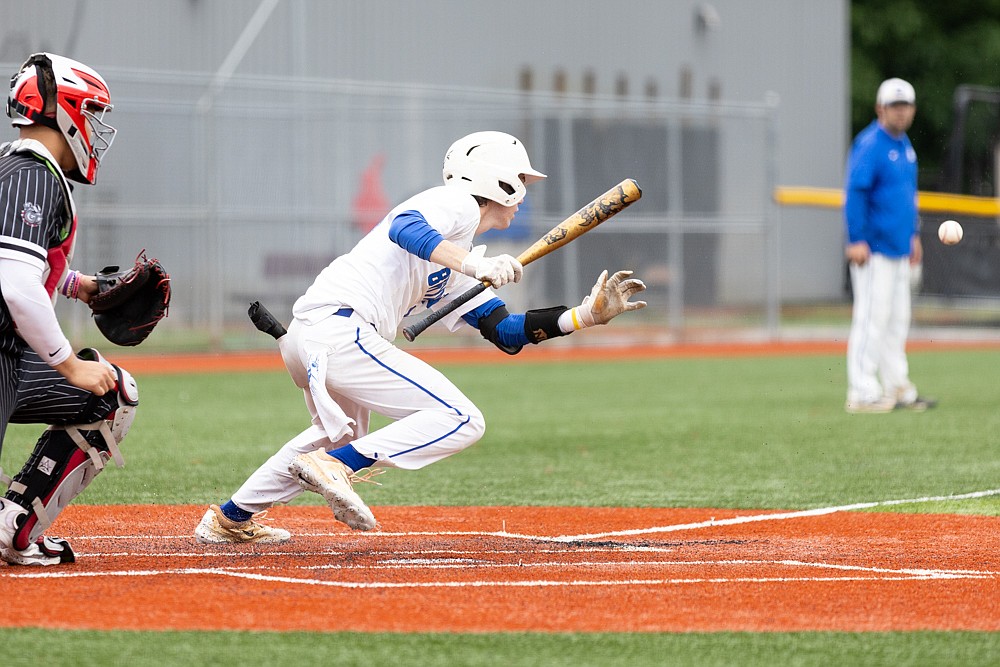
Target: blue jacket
column 880, row 206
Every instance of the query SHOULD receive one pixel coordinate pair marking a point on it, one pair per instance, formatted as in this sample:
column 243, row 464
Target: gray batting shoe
column 216, row 528
column 323, row 474
column 44, row 551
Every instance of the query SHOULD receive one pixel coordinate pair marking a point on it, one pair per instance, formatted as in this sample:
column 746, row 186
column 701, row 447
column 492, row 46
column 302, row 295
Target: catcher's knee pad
column 66, row 459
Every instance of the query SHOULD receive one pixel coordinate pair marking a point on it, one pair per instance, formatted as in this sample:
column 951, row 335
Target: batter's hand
column 498, row 271
column 610, row 298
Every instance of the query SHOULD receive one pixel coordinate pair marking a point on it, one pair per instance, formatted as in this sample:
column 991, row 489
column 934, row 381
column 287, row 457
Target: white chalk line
column 780, row 516
column 711, row 523
column 421, row 563
column 888, row 574
column 882, row 575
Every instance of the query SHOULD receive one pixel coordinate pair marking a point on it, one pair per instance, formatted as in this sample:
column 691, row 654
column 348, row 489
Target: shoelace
column 261, row 516
column 367, row 476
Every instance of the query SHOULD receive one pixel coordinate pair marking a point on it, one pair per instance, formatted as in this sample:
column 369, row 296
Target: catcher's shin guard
column 66, row 459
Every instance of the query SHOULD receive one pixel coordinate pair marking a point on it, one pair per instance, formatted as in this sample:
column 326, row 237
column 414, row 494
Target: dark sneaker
column 919, row 404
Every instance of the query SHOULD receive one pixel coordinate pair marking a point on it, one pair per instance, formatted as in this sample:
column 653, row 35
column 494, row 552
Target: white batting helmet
column 491, row 165
column 67, row 96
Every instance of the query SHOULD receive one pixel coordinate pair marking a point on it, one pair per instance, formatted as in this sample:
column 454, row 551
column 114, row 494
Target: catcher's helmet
column 490, row 164
column 69, row 97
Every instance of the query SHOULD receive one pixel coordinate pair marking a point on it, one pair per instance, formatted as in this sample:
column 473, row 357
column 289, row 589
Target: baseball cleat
column 919, row 404
column 216, row 528
column 879, row 406
column 323, row 474
column 44, row 551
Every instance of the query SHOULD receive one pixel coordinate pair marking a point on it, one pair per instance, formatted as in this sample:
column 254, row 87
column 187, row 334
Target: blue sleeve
column 860, row 179
column 411, row 231
column 510, row 328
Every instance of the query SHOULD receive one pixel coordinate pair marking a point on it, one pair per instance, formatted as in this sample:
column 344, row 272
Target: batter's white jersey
column 384, row 283
column 348, row 367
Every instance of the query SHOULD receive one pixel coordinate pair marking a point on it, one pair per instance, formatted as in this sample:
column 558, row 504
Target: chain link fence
column 246, row 190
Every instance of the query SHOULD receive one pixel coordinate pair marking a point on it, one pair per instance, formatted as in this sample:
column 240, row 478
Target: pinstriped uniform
column 34, row 218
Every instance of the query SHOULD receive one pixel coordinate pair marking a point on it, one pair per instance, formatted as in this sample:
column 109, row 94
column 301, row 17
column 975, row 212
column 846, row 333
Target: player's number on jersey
column 436, row 284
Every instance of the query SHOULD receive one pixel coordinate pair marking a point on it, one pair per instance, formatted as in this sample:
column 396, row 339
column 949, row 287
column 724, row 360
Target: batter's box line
column 901, row 576
column 752, row 518
column 779, row 516
column 471, row 563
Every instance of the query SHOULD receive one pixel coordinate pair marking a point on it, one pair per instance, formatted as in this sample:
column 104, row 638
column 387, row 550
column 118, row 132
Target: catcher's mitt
column 128, row 304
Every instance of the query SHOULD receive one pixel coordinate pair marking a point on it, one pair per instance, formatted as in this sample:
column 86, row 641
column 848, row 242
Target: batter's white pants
column 347, row 371
column 880, row 323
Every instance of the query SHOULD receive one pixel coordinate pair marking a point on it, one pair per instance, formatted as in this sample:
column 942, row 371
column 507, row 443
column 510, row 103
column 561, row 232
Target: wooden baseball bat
column 612, row 202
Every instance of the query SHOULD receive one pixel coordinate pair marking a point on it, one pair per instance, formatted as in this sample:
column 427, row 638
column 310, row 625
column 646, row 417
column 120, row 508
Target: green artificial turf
column 243, row 649
column 732, row 433
column 722, row 433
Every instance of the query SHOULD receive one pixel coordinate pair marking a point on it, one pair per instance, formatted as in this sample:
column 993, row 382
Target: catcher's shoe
column 323, row 474
column 216, row 528
column 44, row 551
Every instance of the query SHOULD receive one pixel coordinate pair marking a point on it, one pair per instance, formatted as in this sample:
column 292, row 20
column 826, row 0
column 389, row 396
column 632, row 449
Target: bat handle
column 418, row 327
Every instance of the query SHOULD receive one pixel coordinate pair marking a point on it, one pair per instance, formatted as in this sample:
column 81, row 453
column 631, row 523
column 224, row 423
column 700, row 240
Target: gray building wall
column 790, row 52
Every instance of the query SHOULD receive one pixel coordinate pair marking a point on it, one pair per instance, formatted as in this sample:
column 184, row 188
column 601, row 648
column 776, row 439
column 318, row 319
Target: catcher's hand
column 128, row 304
column 610, row 298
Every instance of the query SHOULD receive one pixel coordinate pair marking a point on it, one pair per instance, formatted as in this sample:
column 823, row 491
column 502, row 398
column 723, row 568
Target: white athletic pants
column 880, row 323
column 363, row 373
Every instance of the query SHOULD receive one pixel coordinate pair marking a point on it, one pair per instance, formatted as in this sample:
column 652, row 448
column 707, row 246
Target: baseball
column 950, row 232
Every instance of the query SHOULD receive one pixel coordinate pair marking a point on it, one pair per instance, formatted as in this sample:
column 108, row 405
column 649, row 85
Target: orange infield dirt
column 489, row 569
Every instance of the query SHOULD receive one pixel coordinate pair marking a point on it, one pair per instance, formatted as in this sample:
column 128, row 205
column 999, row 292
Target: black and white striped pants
column 32, row 392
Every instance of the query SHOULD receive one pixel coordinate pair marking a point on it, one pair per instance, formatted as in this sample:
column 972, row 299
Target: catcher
column 58, row 106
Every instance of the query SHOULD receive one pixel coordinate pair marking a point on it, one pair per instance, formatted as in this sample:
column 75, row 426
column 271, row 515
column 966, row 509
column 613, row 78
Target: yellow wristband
column 576, row 322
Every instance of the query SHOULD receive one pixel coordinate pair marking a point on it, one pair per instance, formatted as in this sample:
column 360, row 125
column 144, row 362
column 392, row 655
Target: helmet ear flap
column 18, row 101
column 46, row 82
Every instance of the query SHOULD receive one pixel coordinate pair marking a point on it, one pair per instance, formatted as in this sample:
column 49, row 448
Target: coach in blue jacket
column 883, row 242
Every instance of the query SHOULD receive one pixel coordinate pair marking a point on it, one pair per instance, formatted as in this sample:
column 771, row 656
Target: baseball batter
column 339, row 348
column 58, row 106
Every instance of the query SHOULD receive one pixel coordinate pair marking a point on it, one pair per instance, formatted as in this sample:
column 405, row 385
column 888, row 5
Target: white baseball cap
column 893, row 91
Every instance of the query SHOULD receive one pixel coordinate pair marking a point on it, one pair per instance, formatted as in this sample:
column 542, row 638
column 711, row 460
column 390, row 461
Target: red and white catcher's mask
column 82, row 99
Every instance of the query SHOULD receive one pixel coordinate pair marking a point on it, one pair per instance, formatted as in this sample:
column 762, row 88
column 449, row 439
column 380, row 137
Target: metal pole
column 675, row 221
column 772, row 221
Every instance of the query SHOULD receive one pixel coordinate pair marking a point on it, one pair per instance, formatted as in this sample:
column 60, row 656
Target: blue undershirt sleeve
column 510, row 328
column 411, row 231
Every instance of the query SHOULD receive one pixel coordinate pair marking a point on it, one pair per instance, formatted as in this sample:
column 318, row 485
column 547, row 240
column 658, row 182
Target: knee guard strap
column 67, row 458
column 56, row 472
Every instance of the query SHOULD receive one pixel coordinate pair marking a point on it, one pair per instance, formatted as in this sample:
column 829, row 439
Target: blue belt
column 345, row 312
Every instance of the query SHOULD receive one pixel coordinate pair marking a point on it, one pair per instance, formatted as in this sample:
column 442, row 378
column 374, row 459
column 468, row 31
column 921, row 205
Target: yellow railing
column 927, row 202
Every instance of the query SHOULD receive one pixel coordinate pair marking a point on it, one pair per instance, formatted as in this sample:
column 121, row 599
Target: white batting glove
column 607, row 300
column 498, row 271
